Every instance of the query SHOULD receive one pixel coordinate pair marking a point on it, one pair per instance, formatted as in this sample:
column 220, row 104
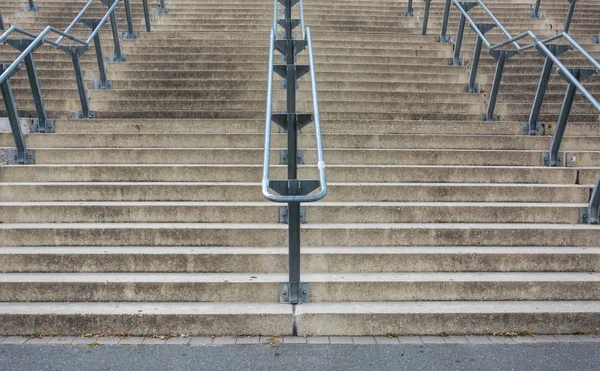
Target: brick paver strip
column 340, row 340
column 433, row 340
column 456, row 340
column 247, row 340
column 477, row 340
column 108, row 340
column 84, row 341
column 364, row 340
column 501, row 340
column 294, row 340
column 154, row 341
column 224, row 340
column 178, row 341
column 386, row 340
column 589, row 338
column 136, row 340
column 410, row 340
column 38, row 341
column 524, row 340
column 568, row 338
column 12, row 340
column 546, row 339
column 317, row 340
column 61, row 340
column 201, row 341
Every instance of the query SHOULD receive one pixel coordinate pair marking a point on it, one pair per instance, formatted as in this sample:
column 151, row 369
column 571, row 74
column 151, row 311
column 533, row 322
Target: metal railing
column 27, row 46
column 573, row 76
column 292, row 190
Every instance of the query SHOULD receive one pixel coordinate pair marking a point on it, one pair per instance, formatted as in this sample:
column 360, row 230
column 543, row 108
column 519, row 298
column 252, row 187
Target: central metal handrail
column 268, row 124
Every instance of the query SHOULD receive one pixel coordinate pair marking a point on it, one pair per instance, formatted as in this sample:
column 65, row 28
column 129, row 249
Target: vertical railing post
column 425, row 17
column 41, row 124
column 130, row 34
column 552, row 158
column 532, row 124
column 593, row 211
column 76, row 52
column 483, row 27
column 569, row 15
column 443, row 37
column 118, row 56
column 500, row 56
column 147, row 16
column 20, row 155
column 161, row 8
column 456, row 60
column 536, row 10
column 410, row 12
column 32, row 7
column 103, row 83
column 1, row 22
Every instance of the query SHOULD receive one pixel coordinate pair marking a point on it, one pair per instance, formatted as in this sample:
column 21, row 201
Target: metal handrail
column 302, row 23
column 317, row 120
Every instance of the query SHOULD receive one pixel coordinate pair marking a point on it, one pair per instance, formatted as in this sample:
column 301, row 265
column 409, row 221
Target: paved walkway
column 275, row 341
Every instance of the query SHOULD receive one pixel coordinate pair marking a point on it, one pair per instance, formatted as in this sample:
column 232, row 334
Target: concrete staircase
column 150, row 220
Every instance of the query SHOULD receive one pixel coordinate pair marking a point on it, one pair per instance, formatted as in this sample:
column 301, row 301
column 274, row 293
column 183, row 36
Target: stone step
column 273, row 235
column 374, row 192
column 331, row 141
column 324, row 287
column 313, row 259
column 336, row 173
column 263, row 212
column 334, row 156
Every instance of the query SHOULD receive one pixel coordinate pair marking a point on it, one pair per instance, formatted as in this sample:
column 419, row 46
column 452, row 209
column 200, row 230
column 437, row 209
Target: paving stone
column 363, row 340
column 478, row 339
column 201, row 341
column 568, row 338
column 224, row 340
column 317, row 340
column 340, row 340
column 132, row 340
column 294, row 340
column 433, row 340
column 84, row 341
column 38, row 341
column 456, row 340
column 11, row 340
column 545, row 339
column 386, row 340
column 108, row 340
column 178, row 341
column 589, row 338
column 246, row 340
column 61, row 340
column 154, row 341
column 501, row 340
column 410, row 340
column 524, row 340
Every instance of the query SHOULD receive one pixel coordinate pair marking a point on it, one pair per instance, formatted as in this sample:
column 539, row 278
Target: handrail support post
column 1, row 23
column 572, row 4
column 118, row 56
column 456, row 60
column 161, row 8
column 536, row 10
column 103, row 83
column 130, row 34
column 483, row 27
column 552, row 158
column 41, row 124
column 593, row 209
column 32, row 7
column 76, row 52
column 532, row 124
column 21, row 155
column 147, row 15
column 501, row 56
column 443, row 37
column 425, row 17
column 410, row 12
